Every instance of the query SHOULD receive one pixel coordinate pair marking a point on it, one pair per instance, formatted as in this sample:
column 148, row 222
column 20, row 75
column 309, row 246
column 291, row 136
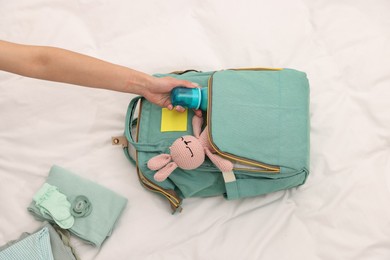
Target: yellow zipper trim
column 269, row 168
column 259, row 68
column 152, row 187
column 148, row 184
column 254, row 170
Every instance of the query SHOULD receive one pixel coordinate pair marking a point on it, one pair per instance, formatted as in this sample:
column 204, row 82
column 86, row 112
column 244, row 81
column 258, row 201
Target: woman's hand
column 60, row 65
column 158, row 91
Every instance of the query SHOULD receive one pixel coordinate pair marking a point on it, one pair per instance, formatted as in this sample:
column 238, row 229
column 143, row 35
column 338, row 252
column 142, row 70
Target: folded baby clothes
column 60, row 246
column 53, row 203
column 35, row 247
column 94, row 207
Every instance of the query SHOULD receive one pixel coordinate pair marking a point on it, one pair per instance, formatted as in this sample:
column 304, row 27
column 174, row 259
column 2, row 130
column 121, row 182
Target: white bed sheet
column 343, row 210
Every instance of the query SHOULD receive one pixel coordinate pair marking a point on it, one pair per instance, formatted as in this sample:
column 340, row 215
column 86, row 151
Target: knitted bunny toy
column 188, row 152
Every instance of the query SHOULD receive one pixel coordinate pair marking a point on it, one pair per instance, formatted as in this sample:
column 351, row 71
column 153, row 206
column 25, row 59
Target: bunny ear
column 221, row 163
column 197, row 125
column 162, row 174
column 159, row 161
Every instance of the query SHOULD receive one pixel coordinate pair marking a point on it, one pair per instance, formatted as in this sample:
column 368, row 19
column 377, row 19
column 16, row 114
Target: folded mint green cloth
column 55, row 204
column 102, row 207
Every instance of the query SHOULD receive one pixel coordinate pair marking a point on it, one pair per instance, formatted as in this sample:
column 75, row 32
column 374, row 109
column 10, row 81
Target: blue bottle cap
column 186, row 97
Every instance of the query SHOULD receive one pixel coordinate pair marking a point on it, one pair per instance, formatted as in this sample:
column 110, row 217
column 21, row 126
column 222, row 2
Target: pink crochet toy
column 188, row 152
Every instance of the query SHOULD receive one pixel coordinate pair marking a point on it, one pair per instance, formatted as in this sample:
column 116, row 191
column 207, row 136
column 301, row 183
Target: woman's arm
column 55, row 64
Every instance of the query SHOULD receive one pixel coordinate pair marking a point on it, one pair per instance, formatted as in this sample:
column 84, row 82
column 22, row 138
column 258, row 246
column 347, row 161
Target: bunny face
column 187, row 152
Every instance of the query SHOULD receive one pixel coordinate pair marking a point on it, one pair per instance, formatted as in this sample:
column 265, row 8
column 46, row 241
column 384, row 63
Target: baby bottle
column 195, row 98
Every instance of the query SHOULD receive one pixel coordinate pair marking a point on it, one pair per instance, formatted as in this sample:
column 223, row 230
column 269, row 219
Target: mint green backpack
column 257, row 118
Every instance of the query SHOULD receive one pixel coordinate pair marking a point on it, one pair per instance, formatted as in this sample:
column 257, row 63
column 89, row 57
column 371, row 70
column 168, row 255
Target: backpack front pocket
column 243, row 115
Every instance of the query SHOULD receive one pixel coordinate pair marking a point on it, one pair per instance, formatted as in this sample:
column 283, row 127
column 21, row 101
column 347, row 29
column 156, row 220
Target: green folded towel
column 103, row 207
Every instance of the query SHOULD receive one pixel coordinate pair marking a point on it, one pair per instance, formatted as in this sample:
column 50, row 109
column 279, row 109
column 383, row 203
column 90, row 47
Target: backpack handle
column 142, row 147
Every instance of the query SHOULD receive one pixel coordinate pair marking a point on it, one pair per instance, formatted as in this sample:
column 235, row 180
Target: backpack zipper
column 173, row 200
column 175, row 203
column 253, row 166
column 259, row 69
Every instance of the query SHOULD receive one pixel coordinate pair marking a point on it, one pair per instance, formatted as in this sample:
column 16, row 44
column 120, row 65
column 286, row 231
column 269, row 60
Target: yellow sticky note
column 171, row 120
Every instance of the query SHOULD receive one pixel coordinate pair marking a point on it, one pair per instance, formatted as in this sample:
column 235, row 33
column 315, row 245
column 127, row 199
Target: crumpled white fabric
column 342, row 212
